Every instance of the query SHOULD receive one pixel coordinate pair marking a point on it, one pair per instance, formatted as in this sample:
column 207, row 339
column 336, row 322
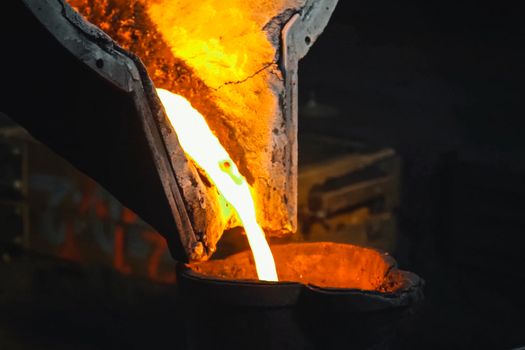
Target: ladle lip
column 238, row 292
column 410, row 292
column 323, row 265
column 254, row 293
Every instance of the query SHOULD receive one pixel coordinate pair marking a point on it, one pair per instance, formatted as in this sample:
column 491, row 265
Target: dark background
column 442, row 83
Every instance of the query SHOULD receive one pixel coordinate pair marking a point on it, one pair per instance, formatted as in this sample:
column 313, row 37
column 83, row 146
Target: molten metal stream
column 198, row 141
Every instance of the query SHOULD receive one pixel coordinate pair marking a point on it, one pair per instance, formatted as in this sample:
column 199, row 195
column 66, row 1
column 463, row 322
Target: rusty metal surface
column 297, row 35
column 62, row 213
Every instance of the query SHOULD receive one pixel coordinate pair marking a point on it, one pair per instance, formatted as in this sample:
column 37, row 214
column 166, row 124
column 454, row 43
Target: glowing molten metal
column 203, row 147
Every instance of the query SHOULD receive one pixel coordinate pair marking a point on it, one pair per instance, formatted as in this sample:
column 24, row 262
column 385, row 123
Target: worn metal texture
column 297, row 36
column 122, row 102
column 262, row 141
column 76, row 91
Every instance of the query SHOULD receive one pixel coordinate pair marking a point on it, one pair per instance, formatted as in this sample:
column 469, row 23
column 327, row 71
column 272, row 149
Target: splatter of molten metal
column 202, row 146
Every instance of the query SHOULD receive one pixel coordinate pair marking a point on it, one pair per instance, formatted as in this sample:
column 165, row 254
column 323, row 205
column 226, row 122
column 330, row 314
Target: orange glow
column 203, row 147
column 225, row 45
column 322, row 264
column 222, row 56
column 223, row 41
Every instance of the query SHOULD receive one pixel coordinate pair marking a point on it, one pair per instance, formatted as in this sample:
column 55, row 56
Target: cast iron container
column 231, row 314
